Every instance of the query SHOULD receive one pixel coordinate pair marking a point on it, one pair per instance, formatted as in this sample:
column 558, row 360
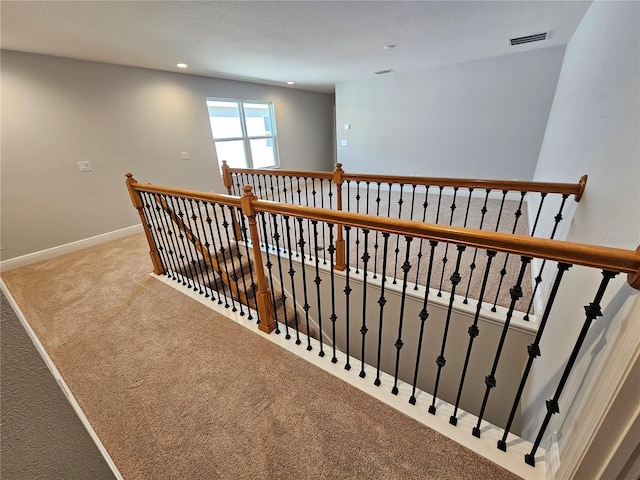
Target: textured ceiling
column 317, row 44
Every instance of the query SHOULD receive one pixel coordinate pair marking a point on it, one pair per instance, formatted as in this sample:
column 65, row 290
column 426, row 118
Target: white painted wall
column 57, row 111
column 483, row 119
column 593, row 128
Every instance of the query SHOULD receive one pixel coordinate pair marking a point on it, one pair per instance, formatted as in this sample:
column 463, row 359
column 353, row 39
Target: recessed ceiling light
column 390, row 46
column 181, row 65
column 291, row 83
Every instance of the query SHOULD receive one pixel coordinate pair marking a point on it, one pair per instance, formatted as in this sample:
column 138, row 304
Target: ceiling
column 317, row 44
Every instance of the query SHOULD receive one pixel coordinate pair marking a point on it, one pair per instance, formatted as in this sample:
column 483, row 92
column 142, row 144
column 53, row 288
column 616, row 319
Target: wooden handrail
column 606, row 258
column 576, row 189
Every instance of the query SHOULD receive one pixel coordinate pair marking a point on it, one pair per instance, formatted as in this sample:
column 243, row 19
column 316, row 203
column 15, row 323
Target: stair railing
column 477, row 203
column 170, row 216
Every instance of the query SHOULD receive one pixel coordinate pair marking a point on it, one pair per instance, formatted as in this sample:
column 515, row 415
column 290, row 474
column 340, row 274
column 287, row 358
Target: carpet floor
column 177, row 391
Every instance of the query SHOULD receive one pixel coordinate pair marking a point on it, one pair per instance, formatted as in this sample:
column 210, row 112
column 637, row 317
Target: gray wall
column 594, row 128
column 482, row 119
column 57, row 111
column 42, row 437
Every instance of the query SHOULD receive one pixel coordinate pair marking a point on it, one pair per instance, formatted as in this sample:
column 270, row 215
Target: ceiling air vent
column 529, row 38
column 382, row 72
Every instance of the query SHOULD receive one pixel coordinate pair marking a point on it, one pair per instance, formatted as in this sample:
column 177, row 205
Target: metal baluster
column 347, row 293
column 424, row 314
column 241, row 267
column 283, row 297
column 397, row 249
column 184, row 252
column 440, row 361
column 357, row 242
column 472, row 267
column 364, row 329
column 425, row 204
column 293, row 286
column 490, row 380
column 238, row 184
column 219, row 270
column 538, row 278
column 234, row 276
column 224, row 263
column 300, row 229
column 406, row 266
column 473, row 331
column 254, row 286
column 503, row 272
column 382, row 302
column 161, row 233
column 309, row 242
column 592, row 311
column 269, row 266
column 206, row 244
column 295, row 232
column 333, row 316
column 534, row 351
column 306, row 305
column 375, row 244
column 279, row 201
column 168, row 223
column 324, row 243
column 197, row 266
column 446, row 248
column 317, row 281
column 204, row 266
column 156, row 233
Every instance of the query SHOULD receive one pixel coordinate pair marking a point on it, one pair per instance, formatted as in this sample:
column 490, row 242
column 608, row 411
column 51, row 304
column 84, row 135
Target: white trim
column 512, row 460
column 63, row 385
column 48, row 253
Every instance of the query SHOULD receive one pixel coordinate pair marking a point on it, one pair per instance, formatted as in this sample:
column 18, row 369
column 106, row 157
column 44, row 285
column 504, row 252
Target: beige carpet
column 176, row 391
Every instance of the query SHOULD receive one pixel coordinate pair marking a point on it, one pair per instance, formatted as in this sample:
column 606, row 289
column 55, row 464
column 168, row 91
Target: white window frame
column 246, row 139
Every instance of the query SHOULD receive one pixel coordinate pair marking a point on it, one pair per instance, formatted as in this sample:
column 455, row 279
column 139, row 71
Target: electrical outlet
column 84, row 166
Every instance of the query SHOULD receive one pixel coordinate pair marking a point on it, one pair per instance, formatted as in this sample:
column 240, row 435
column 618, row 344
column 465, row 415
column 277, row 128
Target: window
column 244, row 132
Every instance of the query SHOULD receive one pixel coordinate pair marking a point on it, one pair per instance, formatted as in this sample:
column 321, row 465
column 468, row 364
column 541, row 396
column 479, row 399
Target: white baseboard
column 63, row 385
column 48, row 253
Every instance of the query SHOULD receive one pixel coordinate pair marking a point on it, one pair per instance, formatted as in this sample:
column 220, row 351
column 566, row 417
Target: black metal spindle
column 213, row 283
column 472, row 266
column 295, row 231
column 309, row 242
column 333, row 316
column 440, row 360
column 592, row 311
column 543, row 195
column 406, row 266
column 382, row 301
column 397, row 249
column 446, row 248
column 375, row 244
column 224, row 263
column 364, row 329
column 413, row 200
column 534, row 351
column 269, row 265
column 253, row 286
column 490, row 380
column 324, row 243
column 162, row 234
column 317, row 281
column 538, row 279
column 473, row 331
column 283, row 297
column 503, row 271
column 193, row 251
column 425, row 204
column 347, row 293
column 357, row 242
column 234, row 275
column 184, row 255
column 424, row 314
column 209, row 221
column 300, row 229
column 306, row 305
column 234, row 213
column 204, row 242
column 292, row 273
column 169, row 225
column 278, row 189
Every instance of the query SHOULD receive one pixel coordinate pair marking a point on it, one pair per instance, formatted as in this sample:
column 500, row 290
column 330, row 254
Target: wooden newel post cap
column 129, row 176
column 248, row 190
column 339, row 166
column 224, row 162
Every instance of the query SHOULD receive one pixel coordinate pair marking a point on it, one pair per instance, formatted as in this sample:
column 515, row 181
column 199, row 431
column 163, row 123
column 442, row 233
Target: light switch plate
column 184, row 155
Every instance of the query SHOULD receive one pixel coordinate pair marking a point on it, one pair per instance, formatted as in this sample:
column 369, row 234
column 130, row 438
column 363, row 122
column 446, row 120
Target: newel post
column 226, row 177
column 136, row 199
column 340, row 245
column 263, row 295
